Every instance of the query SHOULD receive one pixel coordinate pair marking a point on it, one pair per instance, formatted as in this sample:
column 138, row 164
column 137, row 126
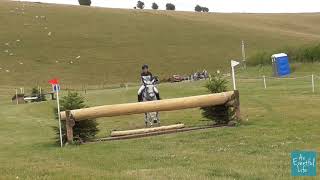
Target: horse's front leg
column 145, row 119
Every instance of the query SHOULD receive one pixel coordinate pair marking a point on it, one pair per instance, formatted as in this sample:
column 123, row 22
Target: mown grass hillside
column 41, row 41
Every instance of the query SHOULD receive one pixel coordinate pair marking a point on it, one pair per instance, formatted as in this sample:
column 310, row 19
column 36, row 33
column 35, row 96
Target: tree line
column 155, row 6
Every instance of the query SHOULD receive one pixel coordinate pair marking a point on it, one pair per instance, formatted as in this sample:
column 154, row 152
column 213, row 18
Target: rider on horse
column 146, row 74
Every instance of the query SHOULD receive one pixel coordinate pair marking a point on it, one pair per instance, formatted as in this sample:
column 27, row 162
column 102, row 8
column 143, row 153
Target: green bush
column 304, row 54
column 220, row 114
column 216, row 83
column 85, row 2
column 83, row 130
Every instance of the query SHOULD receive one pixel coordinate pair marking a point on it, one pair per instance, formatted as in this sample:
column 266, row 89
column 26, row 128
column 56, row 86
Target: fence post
column 17, row 100
column 264, row 82
column 69, row 126
column 312, row 82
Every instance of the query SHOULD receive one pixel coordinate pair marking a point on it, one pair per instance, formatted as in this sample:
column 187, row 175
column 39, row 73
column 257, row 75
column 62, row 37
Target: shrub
column 154, row 6
column 82, row 130
column 85, row 2
column 140, row 4
column 170, row 6
column 220, row 114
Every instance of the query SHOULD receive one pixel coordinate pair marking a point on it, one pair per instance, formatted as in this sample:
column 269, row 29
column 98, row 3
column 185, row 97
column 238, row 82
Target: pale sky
column 248, row 6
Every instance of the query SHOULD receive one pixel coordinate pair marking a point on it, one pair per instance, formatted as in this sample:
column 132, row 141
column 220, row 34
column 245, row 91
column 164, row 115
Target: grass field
column 276, row 121
column 112, row 43
column 39, row 41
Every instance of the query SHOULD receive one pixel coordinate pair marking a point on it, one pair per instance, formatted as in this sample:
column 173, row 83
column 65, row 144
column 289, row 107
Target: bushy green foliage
column 85, row 2
column 170, row 6
column 140, row 4
column 216, row 83
column 155, row 6
column 220, row 114
column 83, row 130
column 304, row 54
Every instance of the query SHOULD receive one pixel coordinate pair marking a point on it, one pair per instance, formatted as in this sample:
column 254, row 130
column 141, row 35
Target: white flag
column 234, row 63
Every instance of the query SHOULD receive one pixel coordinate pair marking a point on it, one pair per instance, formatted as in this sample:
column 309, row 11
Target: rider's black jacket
column 146, row 76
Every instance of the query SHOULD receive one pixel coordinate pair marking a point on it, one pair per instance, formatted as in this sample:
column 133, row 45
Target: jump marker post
column 243, row 54
column 264, row 82
column 234, row 64
column 58, row 105
column 56, row 89
column 312, row 82
column 17, row 100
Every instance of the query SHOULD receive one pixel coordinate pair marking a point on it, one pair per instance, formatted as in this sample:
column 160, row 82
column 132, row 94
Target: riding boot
column 158, row 96
column 139, row 98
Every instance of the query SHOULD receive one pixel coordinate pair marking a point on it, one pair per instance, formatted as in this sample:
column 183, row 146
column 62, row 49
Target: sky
column 243, row 6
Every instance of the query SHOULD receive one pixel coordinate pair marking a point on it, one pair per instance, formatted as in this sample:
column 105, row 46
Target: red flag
column 53, row 81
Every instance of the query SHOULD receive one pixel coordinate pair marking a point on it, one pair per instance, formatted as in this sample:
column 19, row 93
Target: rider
column 146, row 74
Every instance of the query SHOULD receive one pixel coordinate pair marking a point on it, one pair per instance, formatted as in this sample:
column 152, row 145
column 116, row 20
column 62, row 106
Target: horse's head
column 149, row 92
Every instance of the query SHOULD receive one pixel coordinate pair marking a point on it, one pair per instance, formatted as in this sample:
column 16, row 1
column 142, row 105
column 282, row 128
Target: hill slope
column 112, row 43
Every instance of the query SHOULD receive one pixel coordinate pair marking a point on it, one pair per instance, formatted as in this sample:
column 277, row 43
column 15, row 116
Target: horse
column 149, row 94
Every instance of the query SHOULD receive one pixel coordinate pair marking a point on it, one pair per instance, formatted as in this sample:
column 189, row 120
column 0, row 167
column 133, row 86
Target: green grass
column 114, row 43
column 276, row 121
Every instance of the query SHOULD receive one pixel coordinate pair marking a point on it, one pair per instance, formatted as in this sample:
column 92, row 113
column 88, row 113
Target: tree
column 198, row 8
column 140, row 4
column 155, row 6
column 85, row 2
column 205, row 9
column 82, row 130
column 170, row 6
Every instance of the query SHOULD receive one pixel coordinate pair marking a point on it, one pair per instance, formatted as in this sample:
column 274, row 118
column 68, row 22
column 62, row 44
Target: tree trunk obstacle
column 229, row 98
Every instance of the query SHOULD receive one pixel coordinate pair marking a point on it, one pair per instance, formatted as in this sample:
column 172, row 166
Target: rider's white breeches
column 142, row 88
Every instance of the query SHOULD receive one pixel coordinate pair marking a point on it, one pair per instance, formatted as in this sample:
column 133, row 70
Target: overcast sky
column 258, row 6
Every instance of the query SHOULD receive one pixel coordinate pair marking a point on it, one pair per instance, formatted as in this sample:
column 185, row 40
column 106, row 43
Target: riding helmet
column 145, row 66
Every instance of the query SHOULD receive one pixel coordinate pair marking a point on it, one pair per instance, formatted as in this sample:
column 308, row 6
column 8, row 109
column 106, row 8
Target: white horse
column 149, row 94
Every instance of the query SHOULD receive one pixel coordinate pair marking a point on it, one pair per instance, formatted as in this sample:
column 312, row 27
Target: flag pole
column 58, row 104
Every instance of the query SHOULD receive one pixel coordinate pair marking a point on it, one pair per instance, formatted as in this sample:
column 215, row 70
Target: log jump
column 229, row 98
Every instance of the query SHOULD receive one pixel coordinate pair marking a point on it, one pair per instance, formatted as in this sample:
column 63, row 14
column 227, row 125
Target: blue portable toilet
column 280, row 64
